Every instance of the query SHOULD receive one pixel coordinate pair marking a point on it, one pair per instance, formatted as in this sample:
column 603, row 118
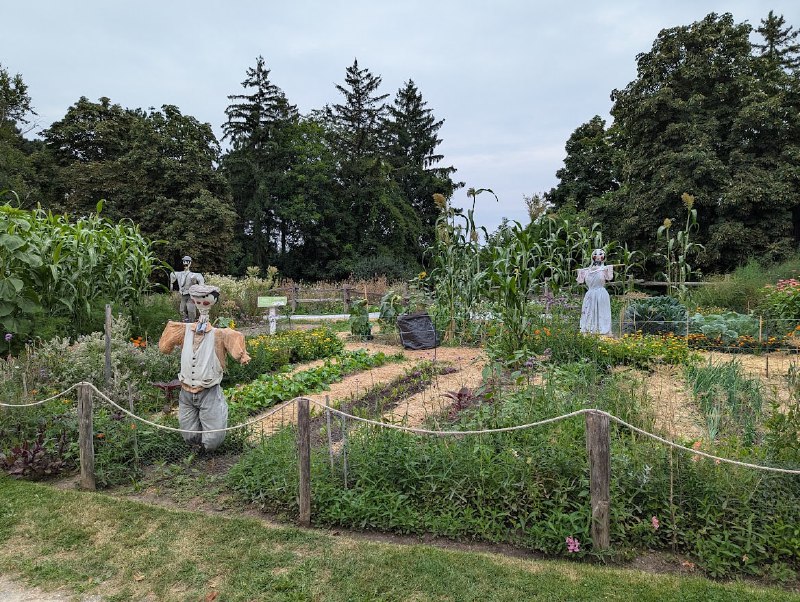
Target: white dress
column 596, row 309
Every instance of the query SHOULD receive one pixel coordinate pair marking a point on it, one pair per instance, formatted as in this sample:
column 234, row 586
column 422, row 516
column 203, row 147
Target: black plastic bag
column 417, row 331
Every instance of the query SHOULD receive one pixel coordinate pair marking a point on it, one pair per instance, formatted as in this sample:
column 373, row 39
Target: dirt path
column 13, row 591
column 467, row 361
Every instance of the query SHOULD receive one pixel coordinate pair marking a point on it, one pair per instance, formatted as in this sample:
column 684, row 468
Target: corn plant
column 455, row 274
column 678, row 247
column 50, row 264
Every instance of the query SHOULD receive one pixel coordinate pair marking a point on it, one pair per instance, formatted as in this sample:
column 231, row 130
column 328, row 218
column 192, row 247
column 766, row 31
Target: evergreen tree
column 411, row 143
column 258, row 164
column 377, row 228
column 779, row 47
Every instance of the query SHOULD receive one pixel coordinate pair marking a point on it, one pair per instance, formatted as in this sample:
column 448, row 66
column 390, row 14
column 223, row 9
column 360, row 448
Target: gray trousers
column 188, row 309
column 203, row 411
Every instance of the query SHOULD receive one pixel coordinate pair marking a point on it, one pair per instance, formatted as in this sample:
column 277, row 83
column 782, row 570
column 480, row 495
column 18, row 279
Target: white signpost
column 272, row 303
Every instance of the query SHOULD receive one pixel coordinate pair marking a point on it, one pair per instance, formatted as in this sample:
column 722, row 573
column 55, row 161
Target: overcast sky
column 511, row 78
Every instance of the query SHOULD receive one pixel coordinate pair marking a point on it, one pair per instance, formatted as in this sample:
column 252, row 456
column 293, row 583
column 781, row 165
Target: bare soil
column 468, row 363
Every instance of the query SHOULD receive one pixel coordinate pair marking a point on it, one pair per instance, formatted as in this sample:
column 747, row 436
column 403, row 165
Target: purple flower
column 9, row 336
column 573, row 545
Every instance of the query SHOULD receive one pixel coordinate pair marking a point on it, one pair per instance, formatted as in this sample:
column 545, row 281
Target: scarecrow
column 596, row 309
column 181, row 281
column 201, row 404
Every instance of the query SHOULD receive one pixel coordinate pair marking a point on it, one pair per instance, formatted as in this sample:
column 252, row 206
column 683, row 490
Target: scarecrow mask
column 187, row 262
column 203, row 296
column 598, row 257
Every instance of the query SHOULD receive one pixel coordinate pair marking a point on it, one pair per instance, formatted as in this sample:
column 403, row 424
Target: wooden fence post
column 346, row 295
column 304, row 458
column 86, row 436
column 108, row 347
column 295, row 293
column 598, row 448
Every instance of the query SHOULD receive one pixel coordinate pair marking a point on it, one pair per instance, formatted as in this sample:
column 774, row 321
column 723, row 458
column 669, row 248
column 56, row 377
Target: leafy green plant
column 269, row 353
column 655, row 315
column 727, row 327
column 359, row 319
column 780, row 304
column 731, row 403
column 392, row 305
column 270, row 389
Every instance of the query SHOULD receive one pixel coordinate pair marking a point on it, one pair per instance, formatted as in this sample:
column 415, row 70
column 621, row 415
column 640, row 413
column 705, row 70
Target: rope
column 37, row 403
column 693, row 451
column 178, row 430
column 419, row 431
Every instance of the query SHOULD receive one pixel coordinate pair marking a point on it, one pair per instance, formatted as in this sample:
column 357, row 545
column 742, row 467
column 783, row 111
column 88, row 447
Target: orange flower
column 100, row 435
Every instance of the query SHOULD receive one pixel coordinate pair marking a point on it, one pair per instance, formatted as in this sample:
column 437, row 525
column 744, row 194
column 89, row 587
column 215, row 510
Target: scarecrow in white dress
column 596, row 309
column 201, row 404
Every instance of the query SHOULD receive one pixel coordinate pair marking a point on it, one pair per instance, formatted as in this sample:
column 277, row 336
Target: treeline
column 344, row 190
column 714, row 112
column 713, row 116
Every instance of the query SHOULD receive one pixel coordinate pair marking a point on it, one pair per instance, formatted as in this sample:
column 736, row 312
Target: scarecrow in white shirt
column 182, row 281
column 201, row 404
column 596, row 309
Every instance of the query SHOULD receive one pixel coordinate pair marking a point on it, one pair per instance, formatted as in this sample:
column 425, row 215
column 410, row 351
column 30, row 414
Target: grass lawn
column 123, row 550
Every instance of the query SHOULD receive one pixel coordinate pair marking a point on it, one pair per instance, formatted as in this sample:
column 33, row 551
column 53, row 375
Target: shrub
column 239, row 296
column 133, row 362
column 149, row 317
column 780, row 304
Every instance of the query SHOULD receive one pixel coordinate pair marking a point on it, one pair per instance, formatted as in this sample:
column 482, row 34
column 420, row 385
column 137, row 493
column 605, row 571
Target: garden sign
column 272, row 303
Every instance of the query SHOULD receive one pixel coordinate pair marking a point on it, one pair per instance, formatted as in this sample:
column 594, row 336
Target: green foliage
column 530, row 487
column 63, row 269
column 727, row 327
column 270, row 389
column 359, row 319
column 134, row 364
column 730, row 402
column 678, row 248
column 150, row 316
column 239, row 296
column 392, row 305
column 154, row 168
column 269, row 353
column 781, row 302
column 655, row 315
column 703, row 117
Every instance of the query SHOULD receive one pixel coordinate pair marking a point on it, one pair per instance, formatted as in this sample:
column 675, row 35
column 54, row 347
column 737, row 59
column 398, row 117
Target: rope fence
column 597, row 437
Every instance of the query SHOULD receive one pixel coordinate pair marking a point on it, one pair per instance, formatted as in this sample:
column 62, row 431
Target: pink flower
column 573, row 545
column 655, row 523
